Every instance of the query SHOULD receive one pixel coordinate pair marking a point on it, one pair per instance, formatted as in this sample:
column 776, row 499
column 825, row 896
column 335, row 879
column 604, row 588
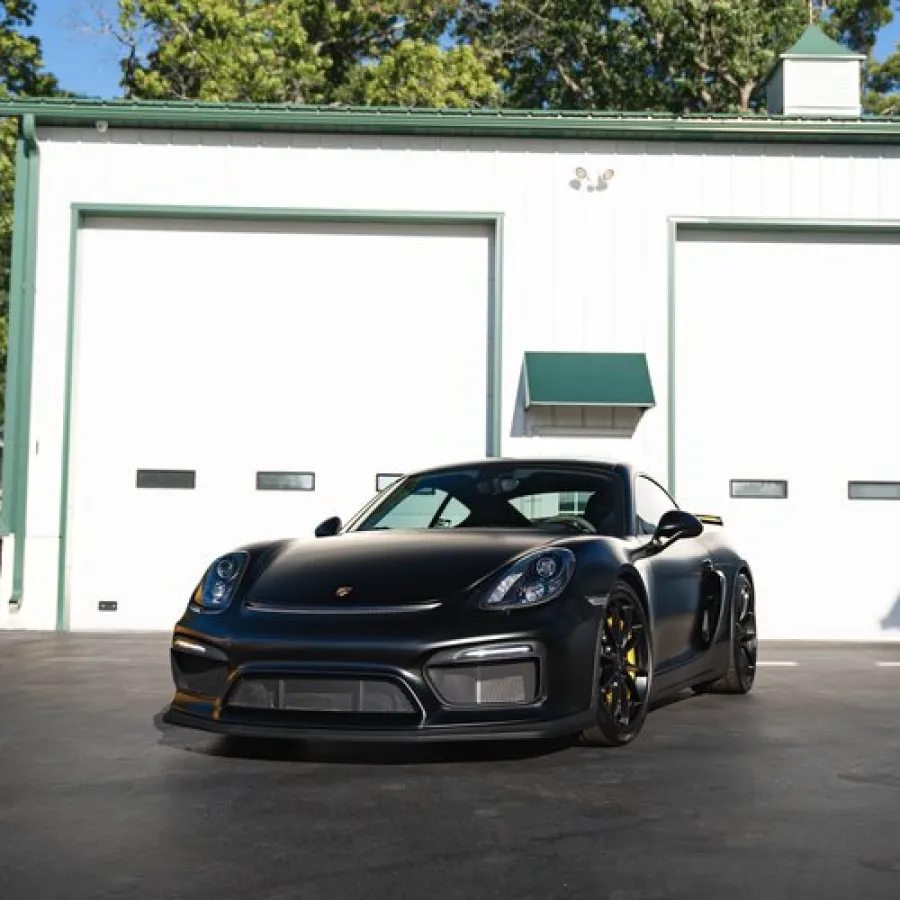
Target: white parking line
column 85, row 659
column 786, row 663
column 889, row 665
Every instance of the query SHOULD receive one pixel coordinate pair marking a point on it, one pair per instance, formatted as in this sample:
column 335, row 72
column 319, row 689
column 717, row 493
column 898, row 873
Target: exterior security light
column 594, row 182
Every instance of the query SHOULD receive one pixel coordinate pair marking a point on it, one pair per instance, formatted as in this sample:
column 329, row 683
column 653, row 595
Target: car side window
column 651, row 503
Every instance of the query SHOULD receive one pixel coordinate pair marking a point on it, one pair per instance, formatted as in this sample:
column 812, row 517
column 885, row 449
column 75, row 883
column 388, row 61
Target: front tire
column 624, row 673
column 742, row 648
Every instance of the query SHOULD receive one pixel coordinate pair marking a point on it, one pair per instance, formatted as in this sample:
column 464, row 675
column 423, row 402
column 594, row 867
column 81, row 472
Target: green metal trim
column 8, row 516
column 82, row 211
column 270, row 214
column 22, row 283
column 737, row 224
column 455, row 122
column 62, row 606
column 671, row 454
column 495, row 346
column 781, row 226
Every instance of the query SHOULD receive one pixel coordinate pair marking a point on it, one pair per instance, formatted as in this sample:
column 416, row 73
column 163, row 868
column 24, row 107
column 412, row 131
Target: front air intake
column 486, row 684
column 331, row 695
column 198, row 675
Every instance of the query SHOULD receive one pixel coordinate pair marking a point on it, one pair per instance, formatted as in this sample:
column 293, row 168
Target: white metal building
column 229, row 322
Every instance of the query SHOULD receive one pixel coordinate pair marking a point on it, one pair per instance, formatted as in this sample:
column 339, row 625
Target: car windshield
column 553, row 498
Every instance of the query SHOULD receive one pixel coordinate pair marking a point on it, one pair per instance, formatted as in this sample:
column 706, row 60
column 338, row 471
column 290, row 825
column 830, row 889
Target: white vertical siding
column 580, row 271
column 821, row 86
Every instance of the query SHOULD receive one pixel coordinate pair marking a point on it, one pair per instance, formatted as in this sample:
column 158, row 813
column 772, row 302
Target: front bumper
column 493, row 731
column 542, row 689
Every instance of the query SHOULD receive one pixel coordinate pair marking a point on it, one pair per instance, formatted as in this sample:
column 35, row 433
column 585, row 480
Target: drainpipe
column 19, row 362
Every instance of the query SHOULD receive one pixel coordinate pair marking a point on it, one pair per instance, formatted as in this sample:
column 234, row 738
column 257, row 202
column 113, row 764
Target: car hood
column 387, row 567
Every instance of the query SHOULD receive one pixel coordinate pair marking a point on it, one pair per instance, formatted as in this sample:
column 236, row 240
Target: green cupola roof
column 814, row 42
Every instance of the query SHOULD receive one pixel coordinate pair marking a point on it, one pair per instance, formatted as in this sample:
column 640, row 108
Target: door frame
column 678, row 225
column 81, row 212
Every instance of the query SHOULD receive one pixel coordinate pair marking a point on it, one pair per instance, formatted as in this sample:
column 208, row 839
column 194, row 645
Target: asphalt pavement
column 791, row 792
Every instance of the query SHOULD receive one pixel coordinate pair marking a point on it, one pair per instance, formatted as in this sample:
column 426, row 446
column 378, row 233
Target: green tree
column 676, row 55
column 21, row 75
column 299, row 51
column 856, row 23
column 883, row 98
column 419, row 73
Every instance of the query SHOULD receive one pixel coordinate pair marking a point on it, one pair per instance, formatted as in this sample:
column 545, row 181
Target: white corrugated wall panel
column 580, row 271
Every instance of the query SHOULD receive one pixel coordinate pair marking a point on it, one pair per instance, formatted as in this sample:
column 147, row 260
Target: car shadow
column 672, row 700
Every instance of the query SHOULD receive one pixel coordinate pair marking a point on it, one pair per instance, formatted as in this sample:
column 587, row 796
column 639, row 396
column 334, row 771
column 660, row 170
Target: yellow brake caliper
column 630, row 657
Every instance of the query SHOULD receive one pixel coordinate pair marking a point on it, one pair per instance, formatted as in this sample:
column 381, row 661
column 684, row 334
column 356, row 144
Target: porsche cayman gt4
column 496, row 599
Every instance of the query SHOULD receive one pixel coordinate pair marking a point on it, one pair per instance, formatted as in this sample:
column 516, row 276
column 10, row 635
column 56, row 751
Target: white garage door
column 210, row 352
column 787, row 384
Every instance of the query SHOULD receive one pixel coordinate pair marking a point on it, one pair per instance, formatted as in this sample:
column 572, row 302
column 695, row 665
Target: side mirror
column 329, row 527
column 675, row 525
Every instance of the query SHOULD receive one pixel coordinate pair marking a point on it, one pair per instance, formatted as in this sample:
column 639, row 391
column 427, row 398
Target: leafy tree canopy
column 300, row 51
column 676, row 55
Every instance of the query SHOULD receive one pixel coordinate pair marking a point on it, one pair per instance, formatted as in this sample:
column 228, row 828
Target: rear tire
column 624, row 672
column 742, row 648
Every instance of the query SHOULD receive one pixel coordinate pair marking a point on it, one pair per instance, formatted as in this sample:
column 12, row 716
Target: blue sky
column 86, row 60
column 83, row 58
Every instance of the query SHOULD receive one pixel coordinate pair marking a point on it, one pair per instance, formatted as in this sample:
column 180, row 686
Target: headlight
column 534, row 579
column 218, row 585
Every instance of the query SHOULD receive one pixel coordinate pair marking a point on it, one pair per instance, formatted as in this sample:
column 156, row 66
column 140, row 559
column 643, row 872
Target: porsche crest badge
column 343, row 591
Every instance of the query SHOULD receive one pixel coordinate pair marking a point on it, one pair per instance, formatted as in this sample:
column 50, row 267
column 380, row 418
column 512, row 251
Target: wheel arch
column 633, row 579
column 743, row 568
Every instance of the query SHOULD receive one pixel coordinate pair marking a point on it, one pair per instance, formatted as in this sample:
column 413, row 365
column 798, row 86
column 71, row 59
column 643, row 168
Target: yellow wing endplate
column 710, row 520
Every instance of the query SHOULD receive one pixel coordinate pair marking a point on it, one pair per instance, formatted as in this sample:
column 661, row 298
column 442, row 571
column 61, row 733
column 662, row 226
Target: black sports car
column 495, row 599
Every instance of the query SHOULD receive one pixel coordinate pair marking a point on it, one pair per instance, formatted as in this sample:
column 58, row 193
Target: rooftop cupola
column 816, row 77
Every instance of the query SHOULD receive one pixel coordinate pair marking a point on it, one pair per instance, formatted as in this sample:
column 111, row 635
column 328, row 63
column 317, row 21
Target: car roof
column 537, row 462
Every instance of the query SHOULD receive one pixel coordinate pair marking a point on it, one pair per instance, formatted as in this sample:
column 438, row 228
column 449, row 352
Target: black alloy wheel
column 625, row 671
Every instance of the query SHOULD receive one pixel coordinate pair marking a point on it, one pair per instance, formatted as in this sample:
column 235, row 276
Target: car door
column 676, row 576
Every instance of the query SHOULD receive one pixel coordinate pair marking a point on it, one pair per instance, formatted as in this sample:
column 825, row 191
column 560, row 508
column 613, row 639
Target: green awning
column 587, row 379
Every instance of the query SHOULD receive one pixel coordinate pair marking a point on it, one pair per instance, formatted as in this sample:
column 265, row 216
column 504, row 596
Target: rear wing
column 711, row 520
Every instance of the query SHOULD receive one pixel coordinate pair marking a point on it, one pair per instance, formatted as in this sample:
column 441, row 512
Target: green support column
column 17, row 424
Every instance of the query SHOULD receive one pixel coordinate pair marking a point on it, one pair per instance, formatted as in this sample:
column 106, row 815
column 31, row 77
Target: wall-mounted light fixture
column 583, row 178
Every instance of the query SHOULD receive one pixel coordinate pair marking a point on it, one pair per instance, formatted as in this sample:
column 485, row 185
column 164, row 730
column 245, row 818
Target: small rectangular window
column 183, row 479
column 873, row 490
column 766, row 490
column 385, row 480
column 285, row 481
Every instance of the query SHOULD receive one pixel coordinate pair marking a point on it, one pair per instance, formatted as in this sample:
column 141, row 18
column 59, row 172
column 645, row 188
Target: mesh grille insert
column 486, row 683
column 305, row 694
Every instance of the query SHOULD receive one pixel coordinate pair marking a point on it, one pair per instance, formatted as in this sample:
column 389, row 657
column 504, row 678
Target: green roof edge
column 453, row 122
